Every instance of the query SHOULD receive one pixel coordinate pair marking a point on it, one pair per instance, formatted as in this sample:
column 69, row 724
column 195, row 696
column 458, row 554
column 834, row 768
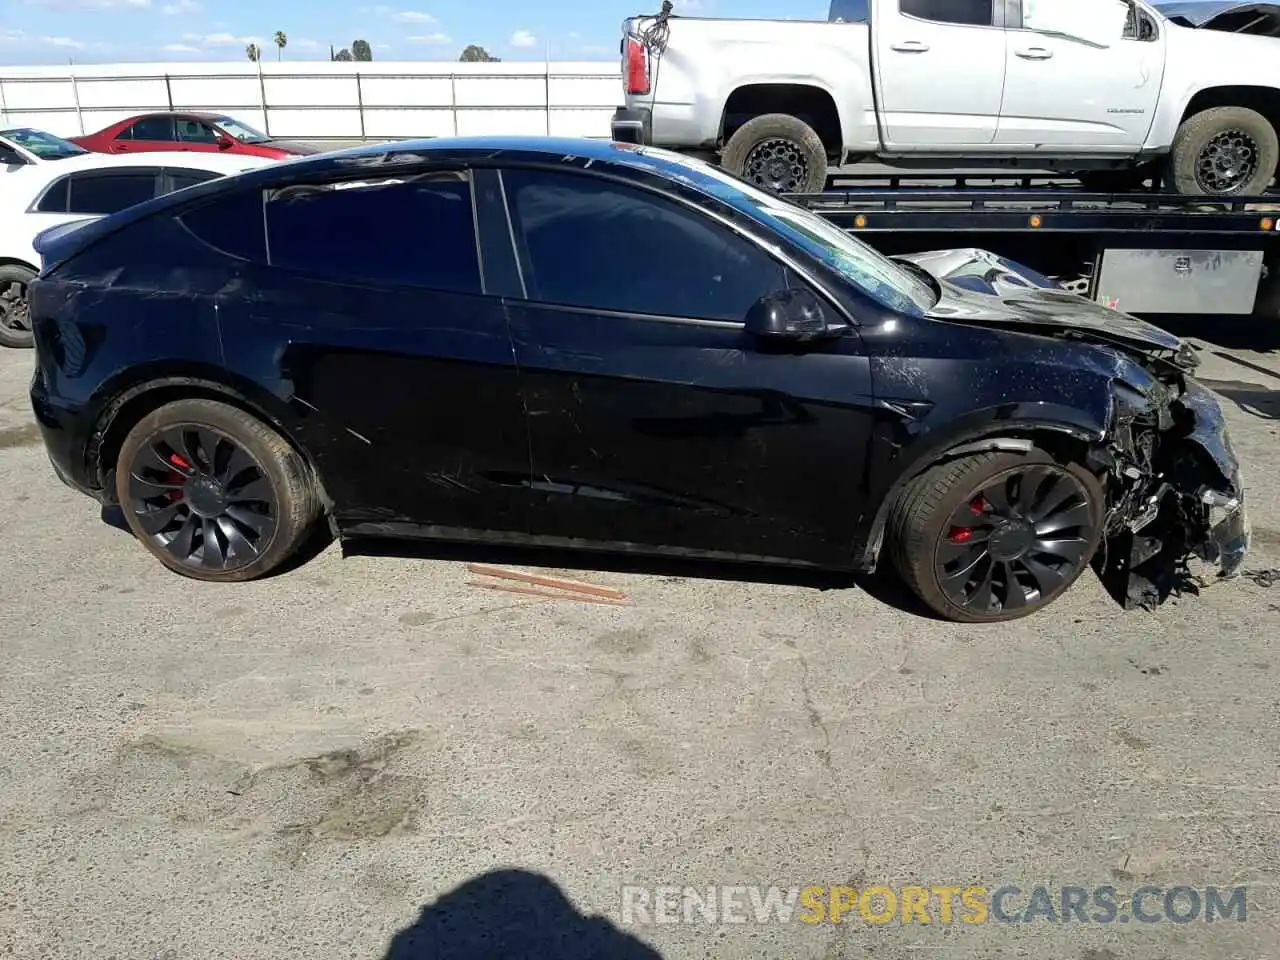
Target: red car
column 205, row 132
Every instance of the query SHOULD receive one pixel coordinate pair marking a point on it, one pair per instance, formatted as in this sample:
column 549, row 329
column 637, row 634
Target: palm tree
column 281, row 42
column 252, row 52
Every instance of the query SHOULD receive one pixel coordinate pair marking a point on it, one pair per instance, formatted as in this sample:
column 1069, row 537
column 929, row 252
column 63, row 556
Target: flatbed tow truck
column 1162, row 257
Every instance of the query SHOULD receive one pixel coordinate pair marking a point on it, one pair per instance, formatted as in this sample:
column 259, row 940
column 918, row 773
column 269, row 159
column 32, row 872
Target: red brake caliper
column 176, row 477
column 978, row 507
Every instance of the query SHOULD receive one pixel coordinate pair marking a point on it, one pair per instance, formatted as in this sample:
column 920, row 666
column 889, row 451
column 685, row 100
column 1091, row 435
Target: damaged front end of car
column 1175, row 490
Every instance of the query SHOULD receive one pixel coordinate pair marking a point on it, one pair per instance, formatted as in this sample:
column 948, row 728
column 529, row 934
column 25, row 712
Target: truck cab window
column 973, row 13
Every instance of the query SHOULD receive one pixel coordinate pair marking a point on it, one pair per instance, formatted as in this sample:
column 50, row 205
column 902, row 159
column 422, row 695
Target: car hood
column 1231, row 16
column 984, row 289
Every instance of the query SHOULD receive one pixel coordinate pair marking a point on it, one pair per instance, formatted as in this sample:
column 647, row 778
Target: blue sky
column 54, row 31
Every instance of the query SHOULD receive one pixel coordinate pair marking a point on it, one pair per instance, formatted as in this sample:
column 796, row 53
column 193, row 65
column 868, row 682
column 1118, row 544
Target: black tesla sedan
column 582, row 343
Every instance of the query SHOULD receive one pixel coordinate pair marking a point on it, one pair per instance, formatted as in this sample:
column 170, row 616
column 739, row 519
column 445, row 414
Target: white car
column 45, row 181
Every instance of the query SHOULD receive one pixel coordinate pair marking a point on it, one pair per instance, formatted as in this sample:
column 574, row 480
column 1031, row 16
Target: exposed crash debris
column 540, row 585
column 1229, row 16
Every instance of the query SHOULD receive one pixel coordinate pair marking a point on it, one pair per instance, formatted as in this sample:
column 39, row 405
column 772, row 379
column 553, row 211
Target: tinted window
column 109, row 192
column 973, row 12
column 55, row 198
column 589, row 242
column 150, row 128
column 231, row 224
column 178, row 179
column 850, row 11
column 193, row 131
column 415, row 230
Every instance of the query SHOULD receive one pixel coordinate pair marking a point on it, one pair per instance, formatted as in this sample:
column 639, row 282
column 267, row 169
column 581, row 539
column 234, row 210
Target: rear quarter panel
column 707, row 59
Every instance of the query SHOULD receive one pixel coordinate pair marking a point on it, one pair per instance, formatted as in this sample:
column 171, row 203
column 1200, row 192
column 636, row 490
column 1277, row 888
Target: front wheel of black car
column 15, row 315
column 214, row 493
column 996, row 536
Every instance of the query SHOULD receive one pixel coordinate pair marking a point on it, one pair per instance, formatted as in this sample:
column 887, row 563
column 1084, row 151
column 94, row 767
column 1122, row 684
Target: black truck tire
column 778, row 152
column 1224, row 151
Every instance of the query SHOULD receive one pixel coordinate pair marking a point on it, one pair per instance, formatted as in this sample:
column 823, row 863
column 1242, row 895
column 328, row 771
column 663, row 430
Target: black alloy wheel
column 777, row 164
column 1227, row 161
column 15, row 311
column 203, row 498
column 1019, row 540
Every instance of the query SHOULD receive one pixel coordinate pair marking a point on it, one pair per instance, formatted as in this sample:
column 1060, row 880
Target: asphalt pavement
column 370, row 757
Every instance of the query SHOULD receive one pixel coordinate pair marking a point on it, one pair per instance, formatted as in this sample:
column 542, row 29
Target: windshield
column 889, row 283
column 44, row 145
column 241, row 131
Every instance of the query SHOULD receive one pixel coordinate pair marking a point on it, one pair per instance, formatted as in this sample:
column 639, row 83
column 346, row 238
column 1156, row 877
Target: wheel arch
column 1263, row 100
column 1069, row 439
column 130, row 404
column 811, row 103
column 18, row 262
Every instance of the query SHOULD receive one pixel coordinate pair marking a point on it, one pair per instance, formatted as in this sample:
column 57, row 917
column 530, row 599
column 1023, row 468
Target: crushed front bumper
column 1191, row 505
column 1227, row 521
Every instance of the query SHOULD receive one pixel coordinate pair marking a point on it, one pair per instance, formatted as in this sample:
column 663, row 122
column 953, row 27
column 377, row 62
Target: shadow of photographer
column 509, row 914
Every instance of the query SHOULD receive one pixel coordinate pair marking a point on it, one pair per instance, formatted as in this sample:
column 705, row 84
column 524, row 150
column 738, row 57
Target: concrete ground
column 369, row 758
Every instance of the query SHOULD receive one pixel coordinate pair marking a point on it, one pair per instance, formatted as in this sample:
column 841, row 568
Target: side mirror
column 224, row 142
column 794, row 315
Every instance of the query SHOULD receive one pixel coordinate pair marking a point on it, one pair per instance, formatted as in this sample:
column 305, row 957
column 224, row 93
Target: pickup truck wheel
column 15, row 315
column 995, row 536
column 1224, row 151
column 778, row 152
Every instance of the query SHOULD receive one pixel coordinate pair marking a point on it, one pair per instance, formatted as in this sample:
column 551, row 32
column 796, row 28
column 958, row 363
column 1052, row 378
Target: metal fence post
column 75, row 95
column 360, row 105
column 168, row 91
column 546, row 92
column 4, row 109
column 453, row 101
column 262, row 95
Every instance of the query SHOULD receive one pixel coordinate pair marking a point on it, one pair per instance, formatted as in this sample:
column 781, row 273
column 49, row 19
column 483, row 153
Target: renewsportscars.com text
column 940, row 904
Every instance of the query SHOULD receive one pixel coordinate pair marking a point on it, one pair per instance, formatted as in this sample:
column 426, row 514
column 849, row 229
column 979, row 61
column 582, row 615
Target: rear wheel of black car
column 779, row 152
column 15, row 315
column 996, row 536
column 214, row 493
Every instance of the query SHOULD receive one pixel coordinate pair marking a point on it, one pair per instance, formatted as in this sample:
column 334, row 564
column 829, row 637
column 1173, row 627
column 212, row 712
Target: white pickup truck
column 1111, row 91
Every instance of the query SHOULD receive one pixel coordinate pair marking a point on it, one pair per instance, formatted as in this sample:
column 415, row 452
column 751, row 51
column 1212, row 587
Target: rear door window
column 150, row 128
column 181, row 178
column 412, row 230
column 54, row 199
column 104, row 192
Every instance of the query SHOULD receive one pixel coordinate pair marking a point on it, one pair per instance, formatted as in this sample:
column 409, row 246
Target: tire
column 778, row 152
column 170, row 509
column 922, row 533
column 1196, row 137
column 15, row 318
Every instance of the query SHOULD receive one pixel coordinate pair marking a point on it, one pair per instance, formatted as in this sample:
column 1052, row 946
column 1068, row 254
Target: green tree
column 361, row 51
column 343, row 55
column 281, row 41
column 253, row 52
column 474, row 53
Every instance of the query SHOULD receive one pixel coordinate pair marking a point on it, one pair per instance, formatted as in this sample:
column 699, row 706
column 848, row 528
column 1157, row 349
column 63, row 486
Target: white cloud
column 305, row 44
column 688, row 6
column 179, row 48
column 413, row 16
column 225, row 40
column 65, row 42
column 523, row 39
column 573, row 34
column 434, row 38
column 12, row 36
column 91, row 4
column 180, row 7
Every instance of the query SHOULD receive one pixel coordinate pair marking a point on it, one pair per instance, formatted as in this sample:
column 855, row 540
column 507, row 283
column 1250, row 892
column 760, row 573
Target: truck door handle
column 1034, row 53
column 910, row 46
